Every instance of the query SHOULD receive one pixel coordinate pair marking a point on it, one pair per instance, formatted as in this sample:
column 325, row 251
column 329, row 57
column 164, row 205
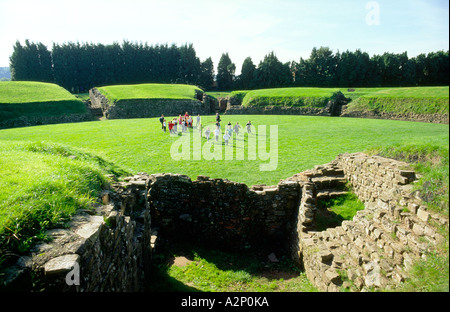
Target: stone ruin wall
column 382, row 241
column 219, row 212
column 113, row 245
column 148, row 108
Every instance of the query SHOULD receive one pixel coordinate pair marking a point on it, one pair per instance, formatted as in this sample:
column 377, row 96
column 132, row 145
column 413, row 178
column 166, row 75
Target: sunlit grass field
column 139, row 145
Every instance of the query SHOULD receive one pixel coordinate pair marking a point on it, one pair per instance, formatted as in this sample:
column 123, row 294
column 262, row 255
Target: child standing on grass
column 183, row 124
column 236, row 128
column 217, row 133
column 249, row 127
column 198, row 120
column 170, row 127
column 175, row 123
column 161, row 120
column 226, row 137
column 207, row 134
column 164, row 125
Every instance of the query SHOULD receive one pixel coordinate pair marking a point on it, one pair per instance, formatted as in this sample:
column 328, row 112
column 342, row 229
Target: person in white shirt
column 217, row 133
column 236, row 128
column 207, row 134
column 226, row 137
column 198, row 120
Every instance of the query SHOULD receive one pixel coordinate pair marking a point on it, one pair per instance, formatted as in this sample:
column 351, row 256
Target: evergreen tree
column 271, row 73
column 247, row 74
column 206, row 80
column 31, row 62
column 302, row 73
column 17, row 63
column 225, row 73
column 437, row 68
column 353, row 69
column 189, row 65
column 323, row 66
column 394, row 65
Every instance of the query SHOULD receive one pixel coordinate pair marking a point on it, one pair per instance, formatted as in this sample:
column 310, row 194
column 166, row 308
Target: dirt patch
column 179, row 261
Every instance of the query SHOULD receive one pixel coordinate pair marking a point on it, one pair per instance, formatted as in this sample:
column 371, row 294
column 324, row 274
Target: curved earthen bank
column 147, row 108
column 110, row 249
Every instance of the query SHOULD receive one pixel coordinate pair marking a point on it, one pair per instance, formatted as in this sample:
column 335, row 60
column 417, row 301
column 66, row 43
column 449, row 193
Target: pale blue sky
column 290, row 28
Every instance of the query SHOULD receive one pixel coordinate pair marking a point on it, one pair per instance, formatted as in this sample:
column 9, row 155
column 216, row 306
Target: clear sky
column 290, row 28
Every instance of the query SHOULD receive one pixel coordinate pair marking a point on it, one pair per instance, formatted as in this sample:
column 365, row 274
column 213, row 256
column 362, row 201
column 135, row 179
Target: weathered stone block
column 61, row 265
column 422, row 214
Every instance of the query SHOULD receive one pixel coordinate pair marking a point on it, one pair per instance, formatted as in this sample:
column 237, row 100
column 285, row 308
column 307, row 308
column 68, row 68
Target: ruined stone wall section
column 221, row 212
column 378, row 247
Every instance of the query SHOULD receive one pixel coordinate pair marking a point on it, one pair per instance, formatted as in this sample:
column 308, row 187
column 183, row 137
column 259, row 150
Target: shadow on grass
column 251, row 263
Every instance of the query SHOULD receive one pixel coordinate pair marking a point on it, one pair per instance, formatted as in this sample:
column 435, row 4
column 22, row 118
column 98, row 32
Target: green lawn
column 149, row 91
column 139, row 145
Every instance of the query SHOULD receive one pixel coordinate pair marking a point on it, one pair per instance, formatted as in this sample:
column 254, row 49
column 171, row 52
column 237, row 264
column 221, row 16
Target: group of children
column 186, row 122
column 228, row 133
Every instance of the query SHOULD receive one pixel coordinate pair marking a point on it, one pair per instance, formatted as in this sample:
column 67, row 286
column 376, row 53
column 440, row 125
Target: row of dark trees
column 79, row 67
column 347, row 69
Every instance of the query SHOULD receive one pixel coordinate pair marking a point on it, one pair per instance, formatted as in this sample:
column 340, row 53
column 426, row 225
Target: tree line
column 79, row 67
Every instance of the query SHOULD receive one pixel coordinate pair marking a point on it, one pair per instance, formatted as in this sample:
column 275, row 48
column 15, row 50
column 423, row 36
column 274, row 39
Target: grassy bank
column 149, row 91
column 28, row 99
column 294, row 97
column 42, row 186
column 418, row 100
